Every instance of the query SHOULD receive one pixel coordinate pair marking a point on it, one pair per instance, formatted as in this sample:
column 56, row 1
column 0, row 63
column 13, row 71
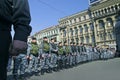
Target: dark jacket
column 16, row 13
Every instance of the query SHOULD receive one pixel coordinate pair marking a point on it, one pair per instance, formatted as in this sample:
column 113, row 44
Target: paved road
column 97, row 70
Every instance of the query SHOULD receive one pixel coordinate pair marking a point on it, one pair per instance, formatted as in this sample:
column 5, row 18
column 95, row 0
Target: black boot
column 15, row 77
column 42, row 71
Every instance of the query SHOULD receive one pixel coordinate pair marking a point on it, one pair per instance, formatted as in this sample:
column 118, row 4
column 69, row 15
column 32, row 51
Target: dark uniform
column 14, row 12
column 74, row 54
column 54, row 52
column 60, row 56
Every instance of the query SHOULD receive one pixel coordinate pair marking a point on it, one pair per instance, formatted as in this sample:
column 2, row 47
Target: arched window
column 91, row 26
column 71, row 31
column 112, row 8
column 101, row 24
column 102, row 11
column 82, row 39
column 87, row 39
column 76, row 30
column 86, row 28
column 105, row 10
column 109, row 10
column 64, row 33
column 109, row 22
column 81, row 29
column 116, row 7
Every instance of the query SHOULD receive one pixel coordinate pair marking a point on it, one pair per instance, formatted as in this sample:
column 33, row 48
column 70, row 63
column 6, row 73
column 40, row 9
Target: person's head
column 45, row 39
column 52, row 40
column 60, row 43
column 77, row 44
column 81, row 44
column 65, row 43
column 71, row 43
column 34, row 40
column 74, row 43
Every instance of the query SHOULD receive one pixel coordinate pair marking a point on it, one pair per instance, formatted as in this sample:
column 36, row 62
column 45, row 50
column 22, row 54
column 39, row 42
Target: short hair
column 33, row 38
column 52, row 39
column 44, row 37
column 71, row 43
column 60, row 42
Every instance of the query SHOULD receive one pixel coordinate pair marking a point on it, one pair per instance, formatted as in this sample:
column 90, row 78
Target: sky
column 46, row 13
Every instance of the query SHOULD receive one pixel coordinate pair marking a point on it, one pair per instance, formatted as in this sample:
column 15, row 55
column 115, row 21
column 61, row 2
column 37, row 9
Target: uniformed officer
column 60, row 55
column 33, row 63
column 67, row 55
column 54, row 52
column 45, row 56
column 71, row 54
column 74, row 54
column 16, row 13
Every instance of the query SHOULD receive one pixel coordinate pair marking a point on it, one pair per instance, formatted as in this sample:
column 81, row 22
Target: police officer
column 45, row 56
column 60, row 55
column 67, row 55
column 71, row 52
column 33, row 63
column 16, row 13
column 74, row 54
column 54, row 52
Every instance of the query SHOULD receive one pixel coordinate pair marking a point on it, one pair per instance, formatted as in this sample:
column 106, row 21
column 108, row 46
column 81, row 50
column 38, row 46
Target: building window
column 79, row 19
column 82, row 39
column 77, row 40
column 81, row 29
column 75, row 20
column 102, row 12
column 116, row 7
column 105, row 10
column 101, row 37
column 72, row 40
column 109, row 22
column 101, row 24
column 109, row 10
column 76, row 31
column 64, row 33
column 71, row 31
column 84, row 17
column 91, row 26
column 98, row 13
column 112, row 8
column 86, row 28
column 87, row 39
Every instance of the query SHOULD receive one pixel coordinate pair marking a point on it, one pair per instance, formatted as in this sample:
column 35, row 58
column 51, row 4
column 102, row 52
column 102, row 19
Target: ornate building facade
column 76, row 28
column 104, row 15
column 92, row 26
column 51, row 32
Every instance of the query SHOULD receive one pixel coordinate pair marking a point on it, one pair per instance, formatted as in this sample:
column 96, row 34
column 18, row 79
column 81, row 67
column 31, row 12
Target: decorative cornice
column 104, row 4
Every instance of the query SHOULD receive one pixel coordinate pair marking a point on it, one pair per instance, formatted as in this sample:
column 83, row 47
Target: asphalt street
column 96, row 70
